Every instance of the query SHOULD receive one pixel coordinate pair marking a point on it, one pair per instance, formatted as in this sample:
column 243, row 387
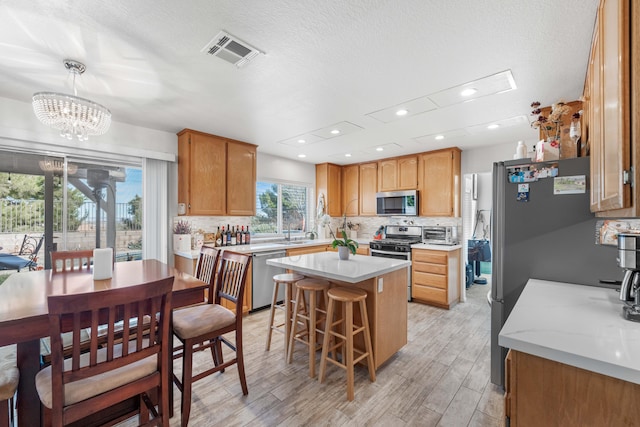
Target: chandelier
column 70, row 114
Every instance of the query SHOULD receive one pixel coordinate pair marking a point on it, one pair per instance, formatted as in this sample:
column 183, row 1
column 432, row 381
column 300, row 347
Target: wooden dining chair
column 86, row 383
column 62, row 261
column 202, row 326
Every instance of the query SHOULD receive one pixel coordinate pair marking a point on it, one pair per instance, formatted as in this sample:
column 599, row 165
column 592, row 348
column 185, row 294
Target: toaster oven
column 440, row 235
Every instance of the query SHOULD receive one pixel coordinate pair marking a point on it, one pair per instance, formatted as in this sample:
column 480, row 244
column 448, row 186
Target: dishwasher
column 262, row 279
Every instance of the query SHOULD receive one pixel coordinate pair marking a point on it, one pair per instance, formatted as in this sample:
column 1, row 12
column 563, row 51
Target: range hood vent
column 231, row 49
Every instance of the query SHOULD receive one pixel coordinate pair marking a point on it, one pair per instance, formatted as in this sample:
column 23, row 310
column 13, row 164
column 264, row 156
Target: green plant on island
column 352, row 245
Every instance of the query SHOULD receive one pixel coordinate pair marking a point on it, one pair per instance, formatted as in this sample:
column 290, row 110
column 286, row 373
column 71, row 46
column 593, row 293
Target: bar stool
column 311, row 317
column 286, row 279
column 347, row 296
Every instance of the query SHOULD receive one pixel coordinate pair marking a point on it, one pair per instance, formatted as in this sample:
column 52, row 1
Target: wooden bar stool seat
column 343, row 331
column 312, row 317
column 287, row 280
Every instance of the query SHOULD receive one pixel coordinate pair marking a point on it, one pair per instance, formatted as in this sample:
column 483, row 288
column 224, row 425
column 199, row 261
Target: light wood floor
column 440, row 378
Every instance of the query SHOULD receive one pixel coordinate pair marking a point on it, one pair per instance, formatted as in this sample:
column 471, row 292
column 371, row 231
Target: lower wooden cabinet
column 362, row 250
column 542, row 392
column 306, row 250
column 435, row 277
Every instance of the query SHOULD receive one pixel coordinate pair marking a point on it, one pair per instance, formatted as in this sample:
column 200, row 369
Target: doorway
column 476, row 219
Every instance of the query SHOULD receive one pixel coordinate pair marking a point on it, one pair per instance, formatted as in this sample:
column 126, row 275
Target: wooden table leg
column 28, row 401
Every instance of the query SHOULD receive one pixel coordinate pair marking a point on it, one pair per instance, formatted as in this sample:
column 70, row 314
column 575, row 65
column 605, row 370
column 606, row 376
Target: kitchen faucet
column 288, row 237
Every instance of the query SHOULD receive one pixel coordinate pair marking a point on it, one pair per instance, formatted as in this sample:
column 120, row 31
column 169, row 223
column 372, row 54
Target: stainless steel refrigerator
column 549, row 237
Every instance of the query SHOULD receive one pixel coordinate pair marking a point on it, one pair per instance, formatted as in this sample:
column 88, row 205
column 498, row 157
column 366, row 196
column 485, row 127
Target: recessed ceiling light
column 493, row 126
column 335, row 131
column 347, row 155
column 401, row 112
column 302, row 156
column 379, row 149
column 439, row 137
column 468, row 91
column 301, row 141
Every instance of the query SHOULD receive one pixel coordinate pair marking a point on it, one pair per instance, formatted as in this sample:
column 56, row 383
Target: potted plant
column 344, row 245
column 182, row 236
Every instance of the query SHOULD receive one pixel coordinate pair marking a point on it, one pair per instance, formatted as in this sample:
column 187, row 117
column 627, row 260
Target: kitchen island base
column 542, row 392
column 387, row 312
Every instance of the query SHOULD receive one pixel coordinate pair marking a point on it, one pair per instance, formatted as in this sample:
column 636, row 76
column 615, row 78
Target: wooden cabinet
column 241, row 179
column 328, row 182
column 439, row 182
column 368, row 188
column 612, row 93
column 306, row 250
column 541, row 392
column 435, row 277
column 398, row 174
column 361, row 250
column 351, row 190
column 216, row 176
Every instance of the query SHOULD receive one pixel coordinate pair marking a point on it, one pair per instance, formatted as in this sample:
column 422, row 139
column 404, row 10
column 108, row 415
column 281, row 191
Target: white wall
column 481, row 159
column 280, row 169
column 19, row 127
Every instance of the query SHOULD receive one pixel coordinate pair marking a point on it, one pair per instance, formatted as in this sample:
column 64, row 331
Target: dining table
column 24, row 316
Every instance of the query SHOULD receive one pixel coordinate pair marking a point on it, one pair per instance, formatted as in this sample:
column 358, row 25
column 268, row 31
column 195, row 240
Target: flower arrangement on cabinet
column 552, row 125
column 182, row 227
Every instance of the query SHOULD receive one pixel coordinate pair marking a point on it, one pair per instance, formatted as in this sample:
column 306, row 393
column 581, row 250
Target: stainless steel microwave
column 397, row 203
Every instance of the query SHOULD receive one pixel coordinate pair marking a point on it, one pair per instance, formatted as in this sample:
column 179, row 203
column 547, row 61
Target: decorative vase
column 182, row 242
column 343, row 253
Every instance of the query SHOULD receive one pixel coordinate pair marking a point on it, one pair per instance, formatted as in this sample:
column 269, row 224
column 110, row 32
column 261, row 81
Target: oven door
column 396, row 255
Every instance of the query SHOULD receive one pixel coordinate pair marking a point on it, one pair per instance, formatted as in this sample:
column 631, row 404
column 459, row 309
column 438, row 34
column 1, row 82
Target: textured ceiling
column 325, row 62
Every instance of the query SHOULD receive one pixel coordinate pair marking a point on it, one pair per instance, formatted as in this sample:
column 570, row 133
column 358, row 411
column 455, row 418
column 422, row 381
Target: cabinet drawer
column 434, row 257
column 427, row 293
column 430, row 268
column 430, row 279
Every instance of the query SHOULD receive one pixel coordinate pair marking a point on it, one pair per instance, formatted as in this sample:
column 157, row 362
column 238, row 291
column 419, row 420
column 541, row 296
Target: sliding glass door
column 72, row 203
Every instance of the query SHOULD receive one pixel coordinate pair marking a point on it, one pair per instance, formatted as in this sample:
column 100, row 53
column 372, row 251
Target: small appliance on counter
column 629, row 259
column 440, row 235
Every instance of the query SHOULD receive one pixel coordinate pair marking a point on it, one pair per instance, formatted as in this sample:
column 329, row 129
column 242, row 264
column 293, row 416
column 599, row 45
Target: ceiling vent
column 231, row 49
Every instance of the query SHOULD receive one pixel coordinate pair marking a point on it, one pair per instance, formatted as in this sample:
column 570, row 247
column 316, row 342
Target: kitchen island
column 384, row 280
column 573, row 358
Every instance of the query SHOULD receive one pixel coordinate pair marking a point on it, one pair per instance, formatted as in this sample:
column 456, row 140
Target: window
column 281, row 207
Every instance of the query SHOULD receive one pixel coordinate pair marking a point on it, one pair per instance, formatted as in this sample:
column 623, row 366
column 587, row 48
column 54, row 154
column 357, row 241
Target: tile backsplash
column 367, row 225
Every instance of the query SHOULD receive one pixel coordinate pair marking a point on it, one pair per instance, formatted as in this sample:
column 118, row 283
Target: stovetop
column 392, row 241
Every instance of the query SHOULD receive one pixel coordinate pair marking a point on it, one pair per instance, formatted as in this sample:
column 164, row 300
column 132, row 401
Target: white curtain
column 155, row 210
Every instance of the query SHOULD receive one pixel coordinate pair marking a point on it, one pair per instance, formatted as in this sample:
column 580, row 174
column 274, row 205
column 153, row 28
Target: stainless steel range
column 397, row 244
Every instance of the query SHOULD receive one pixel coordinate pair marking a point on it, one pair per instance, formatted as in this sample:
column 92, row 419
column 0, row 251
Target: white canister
column 521, row 150
column 102, row 263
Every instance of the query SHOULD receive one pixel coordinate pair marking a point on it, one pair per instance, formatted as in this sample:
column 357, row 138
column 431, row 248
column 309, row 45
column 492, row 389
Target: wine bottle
column 234, row 238
column 247, row 237
column 242, row 242
column 238, row 235
column 224, row 237
column 218, row 241
column 228, row 235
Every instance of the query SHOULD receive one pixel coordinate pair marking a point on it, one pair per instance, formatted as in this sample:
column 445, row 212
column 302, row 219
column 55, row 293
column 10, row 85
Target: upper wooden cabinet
column 351, row 189
column 216, row 176
column 439, row 182
column 368, row 188
column 398, row 174
column 328, row 182
column 611, row 92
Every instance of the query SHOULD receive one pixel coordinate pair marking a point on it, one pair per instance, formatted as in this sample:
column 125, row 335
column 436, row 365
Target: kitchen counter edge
column 577, row 325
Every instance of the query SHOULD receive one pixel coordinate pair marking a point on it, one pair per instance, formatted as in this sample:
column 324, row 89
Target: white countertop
column 327, row 264
column 576, row 325
column 446, row 248
column 270, row 246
